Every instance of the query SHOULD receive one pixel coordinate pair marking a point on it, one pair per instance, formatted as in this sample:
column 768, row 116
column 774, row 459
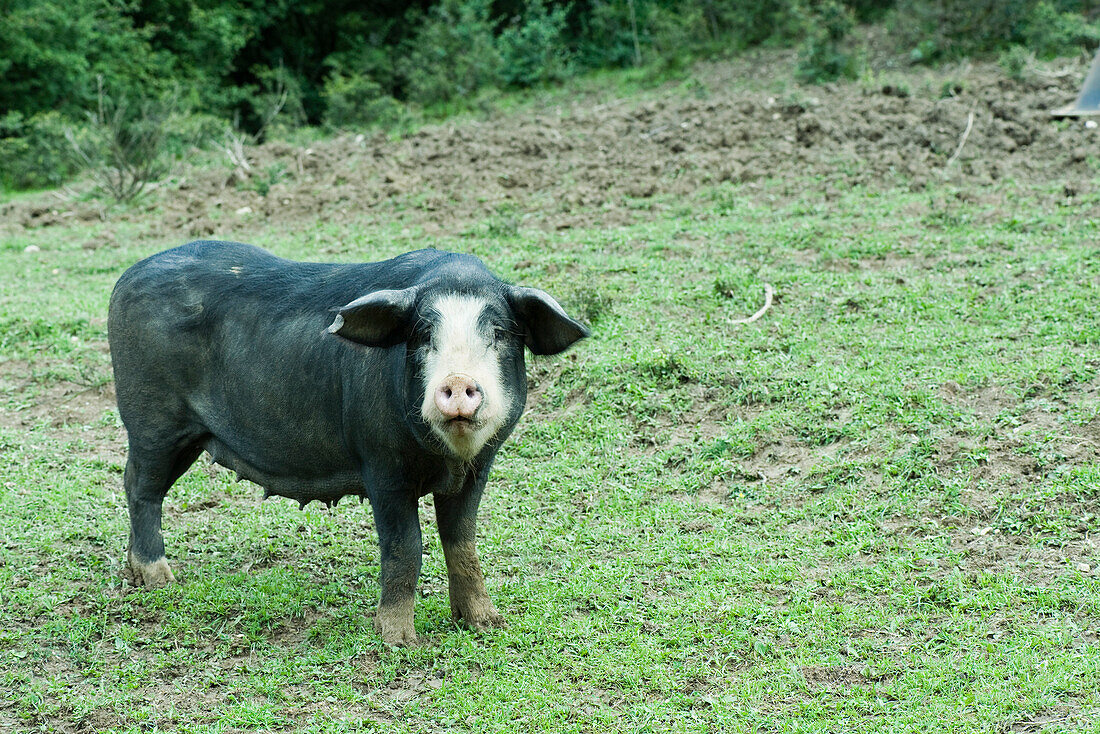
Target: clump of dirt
column 838, row 677
column 1011, row 450
column 57, row 402
column 68, row 408
column 566, row 163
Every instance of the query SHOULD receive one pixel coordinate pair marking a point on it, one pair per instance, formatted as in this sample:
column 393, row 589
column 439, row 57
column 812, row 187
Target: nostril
column 458, row 396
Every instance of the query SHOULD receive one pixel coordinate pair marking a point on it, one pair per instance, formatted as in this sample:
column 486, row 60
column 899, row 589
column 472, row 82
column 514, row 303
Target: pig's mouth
column 462, row 425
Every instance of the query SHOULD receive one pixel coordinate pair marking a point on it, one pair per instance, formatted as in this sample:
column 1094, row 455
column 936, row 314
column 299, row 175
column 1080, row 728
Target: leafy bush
column 678, row 31
column 1049, row 32
column 824, row 57
column 124, row 149
column 937, row 29
column 271, row 175
column 452, row 53
column 1018, row 62
column 184, row 131
column 870, row 11
column 54, row 51
column 353, row 101
column 280, row 103
column 751, row 24
column 608, row 38
column 533, row 49
column 34, row 152
column 631, row 32
column 42, row 151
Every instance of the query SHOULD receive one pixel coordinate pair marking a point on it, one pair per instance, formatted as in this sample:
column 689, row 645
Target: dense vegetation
column 194, row 67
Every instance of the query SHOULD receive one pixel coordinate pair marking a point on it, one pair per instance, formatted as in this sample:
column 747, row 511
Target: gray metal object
column 1088, row 101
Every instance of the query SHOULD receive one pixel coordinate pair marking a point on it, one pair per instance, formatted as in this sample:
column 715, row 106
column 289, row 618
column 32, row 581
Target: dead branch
column 234, row 151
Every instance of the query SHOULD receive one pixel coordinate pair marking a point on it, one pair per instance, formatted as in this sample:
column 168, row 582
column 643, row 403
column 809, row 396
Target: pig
column 389, row 380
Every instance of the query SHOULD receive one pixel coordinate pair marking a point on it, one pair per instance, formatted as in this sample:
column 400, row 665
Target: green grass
column 871, row 510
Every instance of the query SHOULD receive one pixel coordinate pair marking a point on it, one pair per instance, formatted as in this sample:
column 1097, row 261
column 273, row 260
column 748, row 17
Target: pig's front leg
column 395, row 516
column 457, row 519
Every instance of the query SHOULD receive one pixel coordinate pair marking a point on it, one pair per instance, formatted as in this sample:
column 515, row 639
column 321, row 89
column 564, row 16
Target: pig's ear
column 379, row 319
column 547, row 328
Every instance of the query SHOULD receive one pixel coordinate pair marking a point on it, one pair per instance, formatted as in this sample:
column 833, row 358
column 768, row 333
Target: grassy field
column 872, row 510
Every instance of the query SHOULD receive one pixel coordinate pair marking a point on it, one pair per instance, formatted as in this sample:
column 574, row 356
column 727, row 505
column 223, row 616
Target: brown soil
column 57, row 402
column 573, row 161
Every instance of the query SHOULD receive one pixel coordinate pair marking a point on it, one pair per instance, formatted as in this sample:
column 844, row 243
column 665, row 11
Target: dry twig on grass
column 769, row 296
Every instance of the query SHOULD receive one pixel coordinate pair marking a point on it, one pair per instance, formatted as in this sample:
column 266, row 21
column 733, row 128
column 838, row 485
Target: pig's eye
column 500, row 335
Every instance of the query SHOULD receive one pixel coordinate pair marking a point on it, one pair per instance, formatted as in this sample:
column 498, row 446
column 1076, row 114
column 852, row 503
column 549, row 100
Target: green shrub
column 209, row 47
column 533, row 50
column 452, row 53
column 1048, row 32
column 53, row 52
column 354, row 101
column 933, row 29
column 824, row 56
column 34, row 152
column 280, row 102
column 186, row 131
column 870, row 11
column 608, row 38
column 938, row 29
column 1018, row 62
column 271, row 175
column 678, row 31
column 124, row 149
column 767, row 21
column 627, row 32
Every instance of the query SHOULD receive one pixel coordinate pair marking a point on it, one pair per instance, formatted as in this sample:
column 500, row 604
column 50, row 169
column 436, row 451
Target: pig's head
column 464, row 340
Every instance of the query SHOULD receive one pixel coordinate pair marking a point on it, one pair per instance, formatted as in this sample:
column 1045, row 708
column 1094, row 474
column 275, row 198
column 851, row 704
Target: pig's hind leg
column 149, row 474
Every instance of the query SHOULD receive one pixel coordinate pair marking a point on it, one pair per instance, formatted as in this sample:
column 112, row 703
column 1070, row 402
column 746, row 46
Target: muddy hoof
column 479, row 615
column 153, row 575
column 396, row 630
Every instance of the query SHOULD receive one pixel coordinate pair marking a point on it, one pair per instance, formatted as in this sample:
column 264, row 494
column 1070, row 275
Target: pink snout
column 458, row 396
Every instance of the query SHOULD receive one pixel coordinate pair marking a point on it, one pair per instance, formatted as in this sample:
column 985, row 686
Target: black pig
column 388, row 380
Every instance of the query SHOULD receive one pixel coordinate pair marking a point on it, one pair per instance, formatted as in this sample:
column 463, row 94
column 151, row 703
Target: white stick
column 962, row 142
column 769, row 294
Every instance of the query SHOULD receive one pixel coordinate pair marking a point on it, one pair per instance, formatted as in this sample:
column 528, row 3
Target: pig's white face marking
column 462, row 352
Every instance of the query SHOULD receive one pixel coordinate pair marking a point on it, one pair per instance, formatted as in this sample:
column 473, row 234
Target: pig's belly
column 328, row 487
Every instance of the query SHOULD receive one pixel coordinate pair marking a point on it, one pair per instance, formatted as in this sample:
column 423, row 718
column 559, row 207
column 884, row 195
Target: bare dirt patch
column 57, row 402
column 1020, row 423
column 76, row 412
column 1060, row 718
column 570, row 162
column 839, row 677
